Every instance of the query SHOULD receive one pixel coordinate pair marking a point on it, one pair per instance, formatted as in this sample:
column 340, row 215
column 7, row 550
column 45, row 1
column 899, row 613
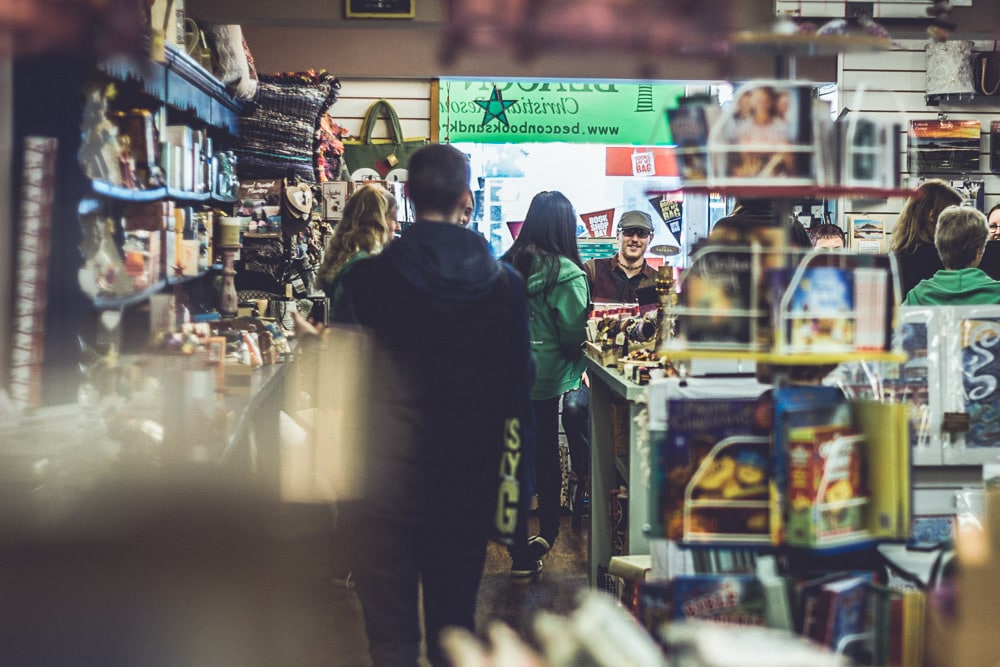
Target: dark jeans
column 392, row 559
column 548, row 471
column 576, row 425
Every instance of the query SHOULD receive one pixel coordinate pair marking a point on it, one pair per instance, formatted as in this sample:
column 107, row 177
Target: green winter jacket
column 334, row 288
column 558, row 329
column 946, row 288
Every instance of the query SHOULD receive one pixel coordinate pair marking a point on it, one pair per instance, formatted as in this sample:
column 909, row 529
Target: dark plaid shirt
column 608, row 282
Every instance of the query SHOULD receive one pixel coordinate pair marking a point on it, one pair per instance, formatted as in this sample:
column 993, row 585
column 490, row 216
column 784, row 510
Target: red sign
column 598, row 223
column 634, row 161
column 515, row 227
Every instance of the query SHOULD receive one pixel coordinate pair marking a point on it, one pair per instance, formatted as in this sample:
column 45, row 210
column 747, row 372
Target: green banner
column 568, row 112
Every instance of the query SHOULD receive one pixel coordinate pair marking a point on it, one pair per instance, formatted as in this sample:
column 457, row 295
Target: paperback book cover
column 718, row 301
column 712, row 469
column 768, row 133
column 821, row 311
column 689, row 124
column 735, row 600
column 793, row 407
column 827, row 485
column 944, row 145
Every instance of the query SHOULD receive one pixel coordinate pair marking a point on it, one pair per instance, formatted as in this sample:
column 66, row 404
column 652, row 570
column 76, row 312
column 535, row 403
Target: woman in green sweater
column 368, row 224
column 960, row 238
column 545, row 253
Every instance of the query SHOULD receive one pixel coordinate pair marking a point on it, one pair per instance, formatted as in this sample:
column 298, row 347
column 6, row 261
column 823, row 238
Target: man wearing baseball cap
column 617, row 278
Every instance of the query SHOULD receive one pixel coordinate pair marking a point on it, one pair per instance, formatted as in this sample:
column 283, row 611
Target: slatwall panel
column 892, row 85
column 410, row 98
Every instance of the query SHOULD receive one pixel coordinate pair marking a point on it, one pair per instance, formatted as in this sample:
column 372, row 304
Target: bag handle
column 392, row 120
column 983, row 67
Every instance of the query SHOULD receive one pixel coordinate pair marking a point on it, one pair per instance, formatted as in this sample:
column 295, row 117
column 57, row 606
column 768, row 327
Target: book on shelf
column 870, row 150
column 730, row 599
column 690, row 123
column 836, row 305
column 821, row 311
column 711, row 470
column 860, row 454
column 827, row 489
column 767, row 132
column 718, row 300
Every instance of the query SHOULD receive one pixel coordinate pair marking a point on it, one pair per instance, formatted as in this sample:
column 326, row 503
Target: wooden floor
column 320, row 622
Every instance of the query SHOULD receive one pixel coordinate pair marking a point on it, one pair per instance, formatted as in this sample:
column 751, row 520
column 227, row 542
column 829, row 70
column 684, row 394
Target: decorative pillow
column 278, row 138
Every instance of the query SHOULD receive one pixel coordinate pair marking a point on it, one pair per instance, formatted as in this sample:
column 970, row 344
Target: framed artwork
column 334, row 197
column 379, row 9
column 868, row 233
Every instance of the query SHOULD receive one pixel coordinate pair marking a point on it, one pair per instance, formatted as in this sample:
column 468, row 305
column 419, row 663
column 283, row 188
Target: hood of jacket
column 950, row 287
column 450, row 266
column 567, row 272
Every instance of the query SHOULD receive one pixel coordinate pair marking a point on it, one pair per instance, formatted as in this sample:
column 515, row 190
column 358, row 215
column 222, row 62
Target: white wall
column 411, row 98
column 893, row 86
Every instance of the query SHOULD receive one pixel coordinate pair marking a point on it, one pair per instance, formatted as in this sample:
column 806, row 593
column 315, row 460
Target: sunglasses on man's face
column 635, row 231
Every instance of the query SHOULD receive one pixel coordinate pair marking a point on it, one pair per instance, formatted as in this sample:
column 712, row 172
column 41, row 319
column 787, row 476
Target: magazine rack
column 739, row 301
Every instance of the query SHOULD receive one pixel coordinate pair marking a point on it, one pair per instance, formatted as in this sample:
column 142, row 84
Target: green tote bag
column 380, row 159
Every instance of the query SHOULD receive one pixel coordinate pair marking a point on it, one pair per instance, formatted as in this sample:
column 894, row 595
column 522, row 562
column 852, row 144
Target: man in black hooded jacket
column 452, row 352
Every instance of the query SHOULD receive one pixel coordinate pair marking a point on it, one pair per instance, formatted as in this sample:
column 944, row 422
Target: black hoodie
column 450, row 358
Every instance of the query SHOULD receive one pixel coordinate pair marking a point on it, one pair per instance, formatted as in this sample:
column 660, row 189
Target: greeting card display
column 944, row 145
column 690, row 124
column 767, row 132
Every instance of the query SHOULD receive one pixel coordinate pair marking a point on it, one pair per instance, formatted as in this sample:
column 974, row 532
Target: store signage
column 598, row 223
column 565, row 111
column 515, row 227
column 670, row 212
column 654, row 161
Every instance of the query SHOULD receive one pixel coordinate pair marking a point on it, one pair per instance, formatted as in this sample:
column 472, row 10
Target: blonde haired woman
column 368, row 224
column 913, row 236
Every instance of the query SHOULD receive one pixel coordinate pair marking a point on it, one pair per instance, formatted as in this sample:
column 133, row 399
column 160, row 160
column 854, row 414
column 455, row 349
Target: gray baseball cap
column 635, row 220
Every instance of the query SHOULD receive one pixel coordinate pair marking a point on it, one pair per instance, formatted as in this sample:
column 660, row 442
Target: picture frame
column 379, row 9
column 335, row 195
column 868, row 233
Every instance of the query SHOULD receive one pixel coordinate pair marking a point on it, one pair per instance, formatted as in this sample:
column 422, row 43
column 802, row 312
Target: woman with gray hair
column 960, row 238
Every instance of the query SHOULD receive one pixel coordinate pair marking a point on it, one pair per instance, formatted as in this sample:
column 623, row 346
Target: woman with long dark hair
column 545, row 253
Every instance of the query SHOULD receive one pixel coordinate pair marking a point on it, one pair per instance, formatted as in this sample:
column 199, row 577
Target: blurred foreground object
column 94, row 27
column 632, row 26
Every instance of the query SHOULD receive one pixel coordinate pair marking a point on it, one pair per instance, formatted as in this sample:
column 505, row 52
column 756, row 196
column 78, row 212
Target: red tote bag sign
column 598, row 223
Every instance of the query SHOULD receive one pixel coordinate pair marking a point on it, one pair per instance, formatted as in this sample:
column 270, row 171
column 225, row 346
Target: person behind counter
column 960, row 238
column 617, row 279
column 828, row 236
column 622, row 278
column 545, row 253
column 913, row 236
